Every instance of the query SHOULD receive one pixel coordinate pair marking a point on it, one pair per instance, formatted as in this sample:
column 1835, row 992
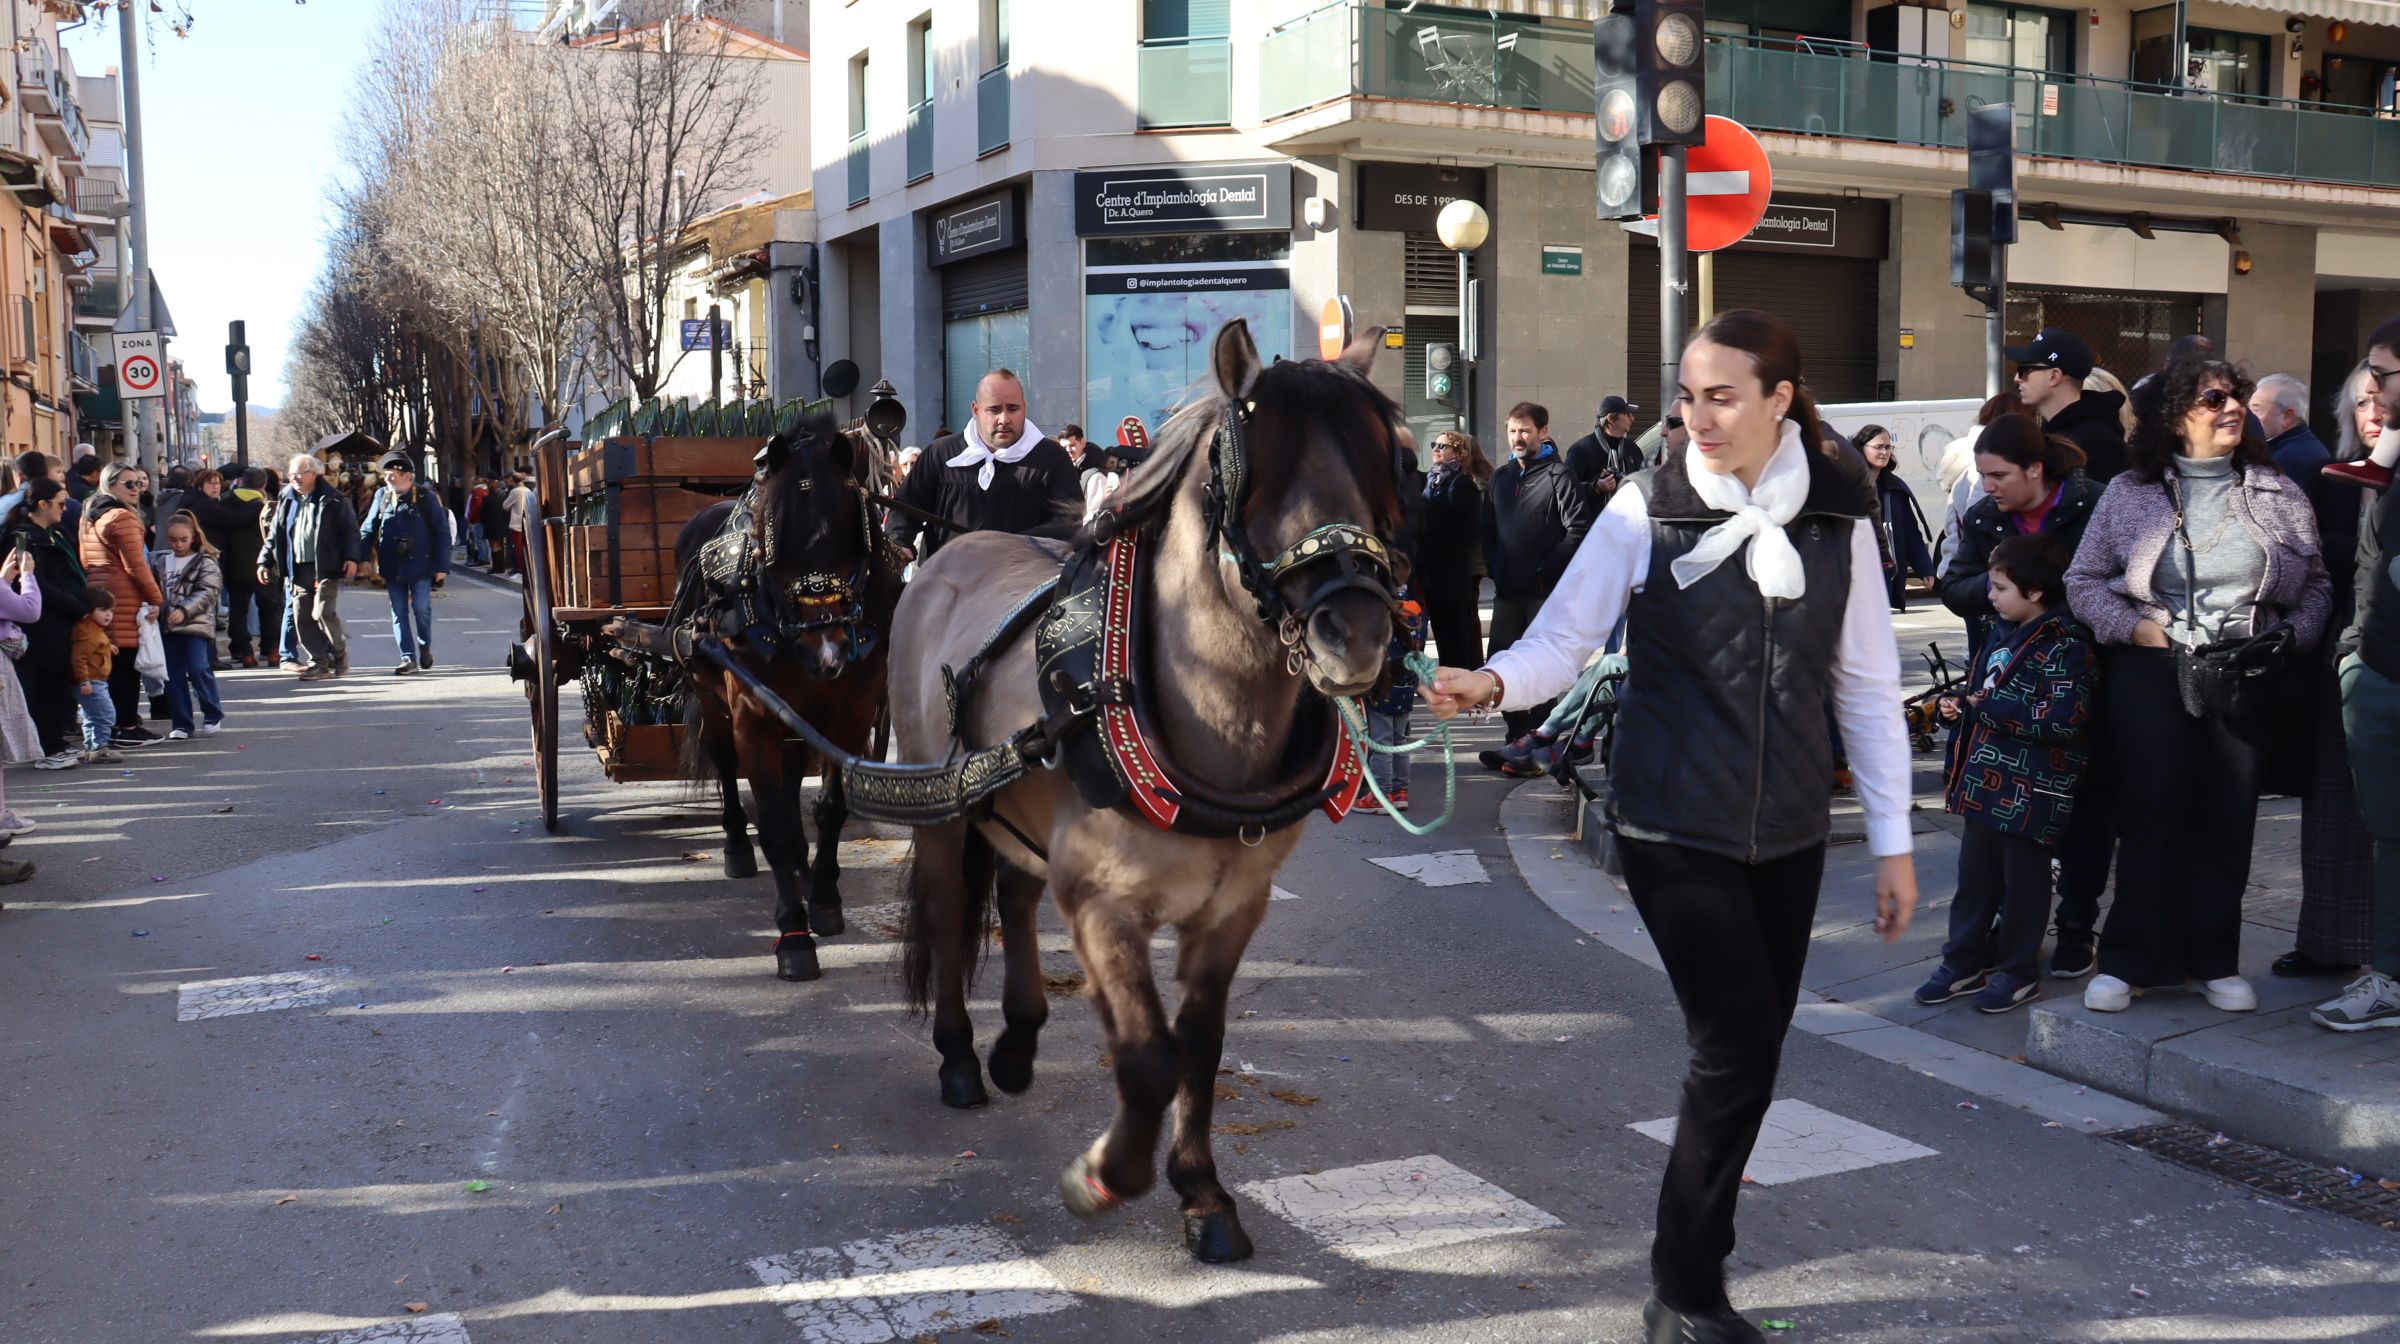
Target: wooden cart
column 610, row 511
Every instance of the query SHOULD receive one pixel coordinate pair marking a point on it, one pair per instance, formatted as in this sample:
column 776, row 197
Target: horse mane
column 1285, row 392
column 806, row 519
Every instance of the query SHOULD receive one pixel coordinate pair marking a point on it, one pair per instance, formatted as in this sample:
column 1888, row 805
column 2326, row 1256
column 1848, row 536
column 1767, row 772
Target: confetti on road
column 916, row 1283
column 1448, row 868
column 1394, row 1208
column 1279, row 894
column 204, row 1000
column 1799, row 1141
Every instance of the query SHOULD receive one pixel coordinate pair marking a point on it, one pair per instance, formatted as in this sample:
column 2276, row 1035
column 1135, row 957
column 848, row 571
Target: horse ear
column 1234, row 359
column 1359, row 355
column 771, row 458
column 844, row 450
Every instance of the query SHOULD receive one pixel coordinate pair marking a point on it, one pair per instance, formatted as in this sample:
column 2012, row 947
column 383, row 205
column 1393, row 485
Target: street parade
column 1891, row 833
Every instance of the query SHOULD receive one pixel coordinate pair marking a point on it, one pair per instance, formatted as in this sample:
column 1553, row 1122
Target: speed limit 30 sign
column 140, row 365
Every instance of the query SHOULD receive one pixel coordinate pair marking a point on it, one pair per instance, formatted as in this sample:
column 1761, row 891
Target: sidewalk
column 2271, row 1077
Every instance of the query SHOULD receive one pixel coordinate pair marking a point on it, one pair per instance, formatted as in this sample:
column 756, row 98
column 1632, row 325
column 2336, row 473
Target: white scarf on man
column 1759, row 516
column 977, row 451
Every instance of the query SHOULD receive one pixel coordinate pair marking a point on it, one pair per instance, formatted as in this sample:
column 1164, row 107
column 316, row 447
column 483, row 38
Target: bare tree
column 665, row 127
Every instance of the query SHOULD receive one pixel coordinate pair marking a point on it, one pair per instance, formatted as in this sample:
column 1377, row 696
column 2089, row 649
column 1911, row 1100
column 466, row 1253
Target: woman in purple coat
column 2200, row 540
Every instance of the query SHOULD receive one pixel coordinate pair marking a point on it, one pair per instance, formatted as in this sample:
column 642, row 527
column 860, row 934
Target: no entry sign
column 139, row 365
column 1726, row 186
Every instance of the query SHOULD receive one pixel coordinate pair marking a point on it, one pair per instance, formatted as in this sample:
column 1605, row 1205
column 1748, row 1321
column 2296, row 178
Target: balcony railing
column 84, row 360
column 859, row 179
column 991, row 110
column 1184, row 82
column 920, row 141
column 37, row 75
column 1838, row 90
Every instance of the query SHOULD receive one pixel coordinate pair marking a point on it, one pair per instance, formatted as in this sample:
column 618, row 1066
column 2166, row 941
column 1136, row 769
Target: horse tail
column 692, row 760
column 954, row 904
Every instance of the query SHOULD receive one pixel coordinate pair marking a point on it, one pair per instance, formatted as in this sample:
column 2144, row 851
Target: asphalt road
column 549, row 1090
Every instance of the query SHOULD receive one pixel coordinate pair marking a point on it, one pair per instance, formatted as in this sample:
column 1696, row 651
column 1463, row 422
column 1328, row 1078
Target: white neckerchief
column 1758, row 517
column 976, row 452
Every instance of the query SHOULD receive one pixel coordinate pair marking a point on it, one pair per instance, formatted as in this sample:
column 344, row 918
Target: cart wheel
column 541, row 689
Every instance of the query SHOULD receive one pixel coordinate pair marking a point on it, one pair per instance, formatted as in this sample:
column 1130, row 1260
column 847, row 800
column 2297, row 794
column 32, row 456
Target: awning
column 2386, row 12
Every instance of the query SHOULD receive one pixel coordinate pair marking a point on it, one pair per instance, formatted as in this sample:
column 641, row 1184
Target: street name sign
column 140, row 366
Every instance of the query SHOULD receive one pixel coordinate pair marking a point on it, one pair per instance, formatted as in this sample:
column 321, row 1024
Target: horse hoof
column 1216, row 1238
column 796, row 958
column 1012, row 1070
column 825, row 920
column 962, row 1089
column 740, row 863
column 1079, row 1188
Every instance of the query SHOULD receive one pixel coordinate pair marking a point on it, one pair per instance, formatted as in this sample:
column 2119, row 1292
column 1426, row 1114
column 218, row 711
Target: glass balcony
column 920, row 141
column 1184, row 82
column 1833, row 89
column 100, row 300
column 858, row 168
column 991, row 110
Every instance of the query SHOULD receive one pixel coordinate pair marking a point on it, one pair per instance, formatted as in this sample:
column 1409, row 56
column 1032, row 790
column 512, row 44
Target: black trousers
column 244, row 594
column 125, row 689
column 50, row 700
column 2090, row 847
column 1733, row 937
column 1511, row 617
column 2185, row 814
column 1450, row 611
column 2003, row 900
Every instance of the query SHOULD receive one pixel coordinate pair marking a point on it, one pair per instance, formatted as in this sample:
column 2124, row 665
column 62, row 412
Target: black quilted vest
column 1722, row 742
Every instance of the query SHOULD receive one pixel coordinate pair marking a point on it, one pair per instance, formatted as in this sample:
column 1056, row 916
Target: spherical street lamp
column 1462, row 226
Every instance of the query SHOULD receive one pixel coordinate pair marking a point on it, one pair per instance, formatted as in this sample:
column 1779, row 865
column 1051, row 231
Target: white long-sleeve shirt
column 1614, row 563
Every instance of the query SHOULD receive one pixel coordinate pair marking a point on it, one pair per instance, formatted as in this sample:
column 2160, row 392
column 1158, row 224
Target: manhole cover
column 2272, row 1175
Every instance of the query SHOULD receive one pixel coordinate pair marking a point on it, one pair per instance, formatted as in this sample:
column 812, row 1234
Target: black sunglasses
column 2215, row 398
column 2379, row 375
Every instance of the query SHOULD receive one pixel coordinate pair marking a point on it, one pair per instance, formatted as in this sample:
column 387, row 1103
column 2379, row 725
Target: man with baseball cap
column 2050, row 374
column 409, row 531
column 1609, row 453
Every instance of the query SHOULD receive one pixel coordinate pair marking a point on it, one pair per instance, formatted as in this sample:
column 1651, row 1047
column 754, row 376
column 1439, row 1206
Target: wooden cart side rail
column 564, row 615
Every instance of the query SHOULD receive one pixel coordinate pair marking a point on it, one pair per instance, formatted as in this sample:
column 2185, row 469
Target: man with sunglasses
column 2050, row 374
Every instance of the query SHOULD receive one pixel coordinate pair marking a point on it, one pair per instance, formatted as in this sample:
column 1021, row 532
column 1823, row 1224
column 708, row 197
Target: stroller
column 1586, row 746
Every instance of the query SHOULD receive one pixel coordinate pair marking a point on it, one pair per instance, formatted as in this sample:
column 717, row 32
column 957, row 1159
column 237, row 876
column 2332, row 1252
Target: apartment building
column 1084, row 192
column 55, row 219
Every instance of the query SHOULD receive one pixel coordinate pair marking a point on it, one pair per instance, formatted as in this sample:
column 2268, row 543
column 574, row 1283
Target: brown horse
column 1226, row 693
column 809, row 629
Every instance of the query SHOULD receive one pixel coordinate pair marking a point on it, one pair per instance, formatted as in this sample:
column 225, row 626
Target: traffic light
column 1670, row 60
column 1442, row 373
column 1971, row 253
column 237, row 358
column 1617, row 113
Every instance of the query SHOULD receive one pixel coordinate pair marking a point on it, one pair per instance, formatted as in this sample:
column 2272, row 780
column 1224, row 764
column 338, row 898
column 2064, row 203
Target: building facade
column 1083, row 193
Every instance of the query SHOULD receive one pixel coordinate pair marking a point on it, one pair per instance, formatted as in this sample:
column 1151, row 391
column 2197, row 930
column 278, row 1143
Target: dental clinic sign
column 1184, row 198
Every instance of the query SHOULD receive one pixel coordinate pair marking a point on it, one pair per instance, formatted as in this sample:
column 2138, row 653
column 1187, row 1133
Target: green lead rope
column 1354, row 715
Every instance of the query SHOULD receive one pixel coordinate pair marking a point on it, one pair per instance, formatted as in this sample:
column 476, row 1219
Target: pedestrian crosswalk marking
column 1446, row 868
column 201, row 1000
column 1799, row 1141
column 916, row 1283
column 447, row 1328
column 1393, row 1208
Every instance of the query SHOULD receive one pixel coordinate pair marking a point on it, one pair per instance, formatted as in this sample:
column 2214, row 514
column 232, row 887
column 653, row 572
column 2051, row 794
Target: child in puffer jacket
column 194, row 586
column 2013, row 771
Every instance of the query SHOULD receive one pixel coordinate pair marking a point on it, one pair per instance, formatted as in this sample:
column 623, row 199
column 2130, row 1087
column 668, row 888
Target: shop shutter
column 991, row 283
column 1830, row 303
column 1430, row 272
column 973, row 347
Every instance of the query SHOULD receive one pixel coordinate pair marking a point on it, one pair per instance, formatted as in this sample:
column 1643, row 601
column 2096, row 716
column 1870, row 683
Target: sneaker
column 2108, row 994
column 2004, row 991
column 320, row 672
column 12, row 824
column 2231, row 994
column 178, row 735
column 65, row 760
column 2075, row 955
column 1399, row 800
column 212, row 729
column 425, row 659
column 407, row 667
column 1517, row 760
column 2372, row 1000
column 1366, row 803
column 1946, row 985
column 2363, row 474
column 289, row 665
column 135, row 736
column 104, row 756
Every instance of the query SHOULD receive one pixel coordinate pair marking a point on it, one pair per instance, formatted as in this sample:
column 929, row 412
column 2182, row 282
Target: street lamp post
column 1462, row 226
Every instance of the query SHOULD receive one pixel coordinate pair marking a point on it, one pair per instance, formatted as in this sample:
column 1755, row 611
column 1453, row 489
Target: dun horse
column 796, row 583
column 1234, row 656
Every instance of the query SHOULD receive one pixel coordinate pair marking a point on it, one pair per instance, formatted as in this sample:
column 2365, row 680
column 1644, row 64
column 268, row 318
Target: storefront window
column 1152, row 308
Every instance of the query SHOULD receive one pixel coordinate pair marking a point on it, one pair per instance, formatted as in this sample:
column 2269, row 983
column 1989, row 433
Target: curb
column 1537, row 822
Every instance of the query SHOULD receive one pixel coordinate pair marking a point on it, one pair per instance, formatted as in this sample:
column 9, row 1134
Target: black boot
column 1662, row 1324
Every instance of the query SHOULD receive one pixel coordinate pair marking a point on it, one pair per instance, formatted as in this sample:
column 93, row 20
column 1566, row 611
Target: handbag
column 2236, row 681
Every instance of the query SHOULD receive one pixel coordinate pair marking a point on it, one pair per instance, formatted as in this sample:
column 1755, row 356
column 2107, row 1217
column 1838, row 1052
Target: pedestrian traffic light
column 1441, row 373
column 1670, row 60
column 1971, row 254
column 1617, row 113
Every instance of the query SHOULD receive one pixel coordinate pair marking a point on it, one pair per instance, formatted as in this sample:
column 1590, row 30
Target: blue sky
column 242, row 122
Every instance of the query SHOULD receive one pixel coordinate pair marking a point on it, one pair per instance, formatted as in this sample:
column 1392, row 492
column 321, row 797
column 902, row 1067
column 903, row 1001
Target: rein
column 1353, row 710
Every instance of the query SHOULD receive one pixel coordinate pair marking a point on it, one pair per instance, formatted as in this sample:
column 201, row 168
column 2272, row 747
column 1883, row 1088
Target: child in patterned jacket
column 2014, row 764
column 1388, row 712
